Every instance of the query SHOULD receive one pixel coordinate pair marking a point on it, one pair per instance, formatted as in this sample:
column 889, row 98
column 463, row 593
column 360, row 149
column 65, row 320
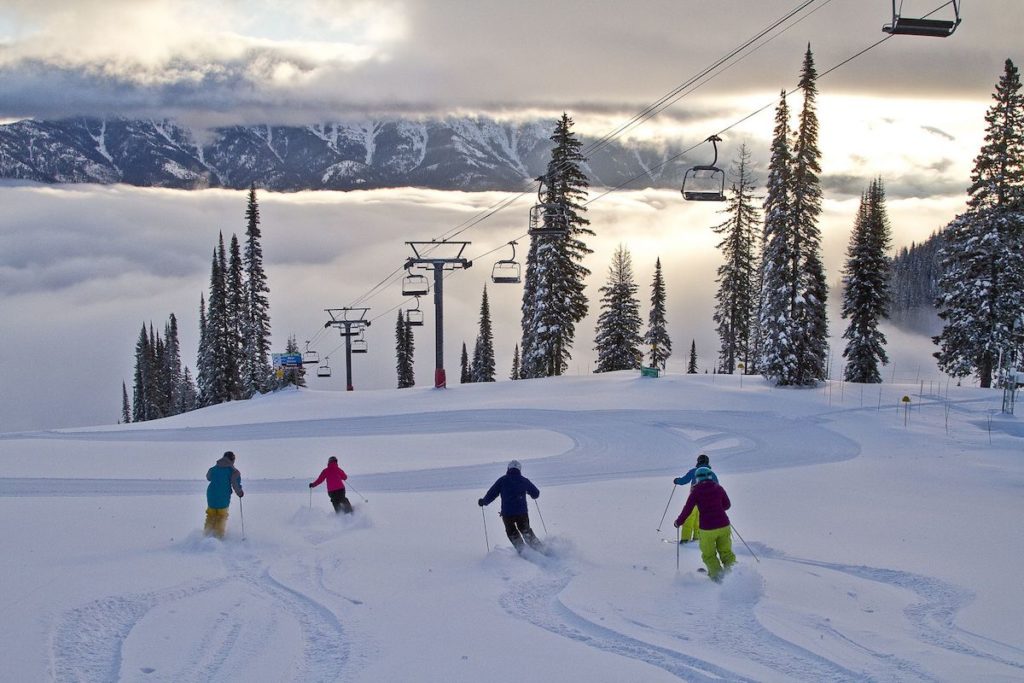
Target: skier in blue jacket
column 690, row 529
column 513, row 488
column 223, row 478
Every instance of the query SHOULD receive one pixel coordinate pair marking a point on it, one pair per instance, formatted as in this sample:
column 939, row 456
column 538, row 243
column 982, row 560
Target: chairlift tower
column 350, row 322
column 423, row 258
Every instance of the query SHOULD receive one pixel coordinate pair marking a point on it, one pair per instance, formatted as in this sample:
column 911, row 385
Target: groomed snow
column 887, row 541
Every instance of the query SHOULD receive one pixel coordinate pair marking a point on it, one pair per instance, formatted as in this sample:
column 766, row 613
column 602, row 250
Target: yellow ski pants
column 216, row 522
column 690, row 529
column 715, row 544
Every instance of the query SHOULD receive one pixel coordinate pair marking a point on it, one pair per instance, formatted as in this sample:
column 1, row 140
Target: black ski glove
column 312, row 485
column 481, row 502
column 241, row 493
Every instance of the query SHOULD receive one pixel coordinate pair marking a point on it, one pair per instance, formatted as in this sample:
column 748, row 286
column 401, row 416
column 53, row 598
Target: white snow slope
column 888, row 543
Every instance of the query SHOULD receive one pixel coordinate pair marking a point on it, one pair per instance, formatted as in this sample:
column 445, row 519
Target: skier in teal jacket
column 223, row 478
column 690, row 529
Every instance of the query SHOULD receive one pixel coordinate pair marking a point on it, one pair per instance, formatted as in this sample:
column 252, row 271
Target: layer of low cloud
column 313, row 60
column 138, row 255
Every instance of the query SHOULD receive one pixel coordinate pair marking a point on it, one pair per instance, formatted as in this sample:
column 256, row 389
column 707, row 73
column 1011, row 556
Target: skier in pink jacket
column 335, row 477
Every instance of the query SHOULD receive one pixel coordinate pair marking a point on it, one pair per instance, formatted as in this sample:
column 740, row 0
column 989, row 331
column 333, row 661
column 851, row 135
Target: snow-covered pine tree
column 691, row 364
column 866, row 291
column 515, row 373
column 188, row 396
column 482, row 369
column 656, row 337
column 554, row 300
column 141, row 383
column 218, row 337
column 778, row 362
column 403, row 360
column 204, row 360
column 256, row 372
column 126, row 410
column 234, row 283
column 982, row 271
column 809, row 288
column 156, row 391
column 410, row 354
column 171, row 366
column 617, row 338
column 737, row 297
column 465, row 372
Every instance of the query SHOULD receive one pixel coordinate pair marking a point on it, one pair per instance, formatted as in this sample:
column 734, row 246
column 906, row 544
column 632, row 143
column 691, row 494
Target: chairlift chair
column 325, row 369
column 934, row 28
column 507, row 271
column 414, row 284
column 310, row 357
column 705, row 183
column 414, row 316
column 547, row 219
column 359, row 346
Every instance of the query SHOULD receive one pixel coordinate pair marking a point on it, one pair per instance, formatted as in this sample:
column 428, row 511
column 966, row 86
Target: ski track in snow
column 89, row 642
column 933, row 615
column 732, row 625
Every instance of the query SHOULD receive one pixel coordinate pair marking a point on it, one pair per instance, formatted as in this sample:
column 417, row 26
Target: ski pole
column 486, row 540
column 666, row 507
column 311, row 499
column 241, row 516
column 744, row 542
column 349, row 487
column 541, row 517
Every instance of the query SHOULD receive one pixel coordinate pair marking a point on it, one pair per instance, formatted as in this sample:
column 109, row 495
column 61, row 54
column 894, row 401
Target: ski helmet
column 703, row 460
column 332, row 459
column 702, row 474
column 229, row 455
column 514, row 465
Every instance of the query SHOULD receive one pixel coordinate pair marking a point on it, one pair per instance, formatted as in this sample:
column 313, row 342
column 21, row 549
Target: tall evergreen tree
column 866, row 292
column 126, row 410
column 982, row 280
column 188, row 396
column 465, row 370
column 809, row 290
column 218, row 334
column 205, row 366
column 737, row 297
column 141, row 383
column 403, row 353
column 554, row 300
column 515, row 373
column 691, row 364
column 656, row 338
column 794, row 323
column 256, row 371
column 777, row 361
column 618, row 337
column 171, row 366
column 236, row 307
column 482, row 369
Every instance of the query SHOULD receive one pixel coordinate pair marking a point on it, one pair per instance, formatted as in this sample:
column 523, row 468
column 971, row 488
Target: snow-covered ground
column 888, row 542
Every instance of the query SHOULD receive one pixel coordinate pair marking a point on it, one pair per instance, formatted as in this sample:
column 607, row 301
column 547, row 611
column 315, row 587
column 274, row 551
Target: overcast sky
column 228, row 60
column 81, row 267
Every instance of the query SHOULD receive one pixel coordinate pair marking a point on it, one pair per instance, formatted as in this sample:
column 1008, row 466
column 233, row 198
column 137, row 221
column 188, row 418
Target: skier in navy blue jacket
column 513, row 488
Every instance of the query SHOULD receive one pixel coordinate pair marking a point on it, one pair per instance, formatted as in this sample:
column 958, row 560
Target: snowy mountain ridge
column 448, row 154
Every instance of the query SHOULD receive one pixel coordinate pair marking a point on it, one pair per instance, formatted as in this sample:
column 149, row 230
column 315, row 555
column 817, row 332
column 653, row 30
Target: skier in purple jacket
column 513, row 489
column 715, row 533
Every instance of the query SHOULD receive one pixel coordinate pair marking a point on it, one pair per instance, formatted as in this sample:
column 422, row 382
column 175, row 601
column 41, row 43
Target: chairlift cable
column 677, row 93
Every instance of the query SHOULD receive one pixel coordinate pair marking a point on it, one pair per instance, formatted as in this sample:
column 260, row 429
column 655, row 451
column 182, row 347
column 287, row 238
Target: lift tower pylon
column 350, row 322
column 423, row 258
